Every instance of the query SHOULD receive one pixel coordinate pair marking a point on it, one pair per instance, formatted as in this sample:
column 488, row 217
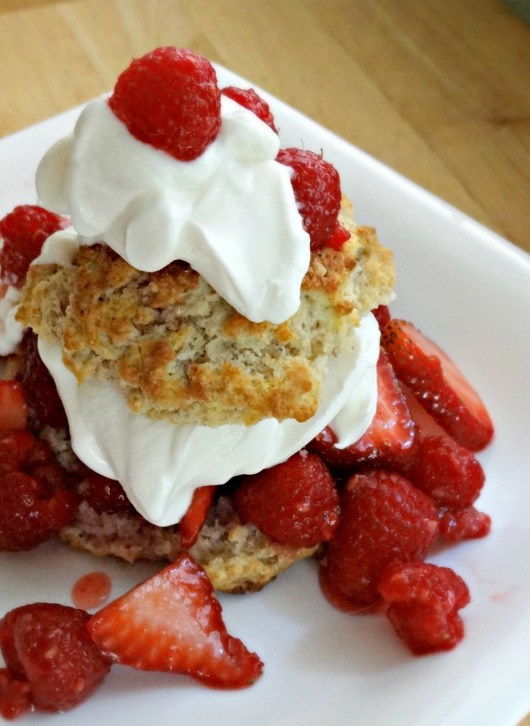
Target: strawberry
column 384, row 519
column 316, row 186
column 382, row 315
column 438, row 384
column 423, row 603
column 294, row 503
column 24, row 231
column 13, row 406
column 169, row 98
column 390, row 436
column 440, row 467
column 249, row 99
column 191, row 523
column 172, row 622
column 338, row 237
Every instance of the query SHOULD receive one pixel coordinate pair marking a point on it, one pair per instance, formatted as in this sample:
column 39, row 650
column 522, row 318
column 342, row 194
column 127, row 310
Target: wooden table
column 439, row 91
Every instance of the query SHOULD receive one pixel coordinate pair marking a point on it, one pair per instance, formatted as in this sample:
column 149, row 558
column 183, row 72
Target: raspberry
column 446, row 471
column 169, row 98
column 48, row 646
column 294, row 503
column 316, row 186
column 383, row 520
column 35, row 501
column 14, row 696
column 423, row 603
column 24, row 231
column 251, row 101
column 459, row 524
column 45, row 406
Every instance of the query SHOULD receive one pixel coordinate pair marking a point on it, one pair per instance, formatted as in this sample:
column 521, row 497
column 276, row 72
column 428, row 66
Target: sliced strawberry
column 437, row 382
column 448, row 472
column 13, row 406
column 173, row 622
column 191, row 523
column 389, row 439
column 382, row 315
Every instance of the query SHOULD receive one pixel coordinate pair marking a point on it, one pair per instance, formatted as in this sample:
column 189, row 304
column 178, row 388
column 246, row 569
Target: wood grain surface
column 440, row 91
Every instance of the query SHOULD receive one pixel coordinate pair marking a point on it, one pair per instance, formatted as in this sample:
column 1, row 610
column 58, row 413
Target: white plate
column 469, row 290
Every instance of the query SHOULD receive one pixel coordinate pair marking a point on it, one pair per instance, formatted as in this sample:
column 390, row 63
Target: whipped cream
column 11, row 331
column 160, row 464
column 230, row 213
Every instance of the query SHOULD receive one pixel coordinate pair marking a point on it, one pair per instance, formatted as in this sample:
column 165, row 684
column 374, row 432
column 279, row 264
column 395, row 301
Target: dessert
column 172, row 339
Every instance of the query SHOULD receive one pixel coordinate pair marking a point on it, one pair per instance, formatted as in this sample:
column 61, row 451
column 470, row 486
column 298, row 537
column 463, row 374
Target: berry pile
column 374, row 509
column 56, row 655
column 409, row 481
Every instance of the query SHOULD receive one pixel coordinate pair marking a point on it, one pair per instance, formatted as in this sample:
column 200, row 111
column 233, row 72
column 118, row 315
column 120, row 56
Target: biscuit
column 179, row 352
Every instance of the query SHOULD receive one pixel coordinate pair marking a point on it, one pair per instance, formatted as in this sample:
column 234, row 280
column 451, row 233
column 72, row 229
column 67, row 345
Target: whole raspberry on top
column 169, row 98
column 316, row 186
column 249, row 99
column 24, row 231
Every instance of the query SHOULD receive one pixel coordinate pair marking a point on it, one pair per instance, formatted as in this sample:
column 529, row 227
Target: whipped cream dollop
column 230, row 213
column 160, row 464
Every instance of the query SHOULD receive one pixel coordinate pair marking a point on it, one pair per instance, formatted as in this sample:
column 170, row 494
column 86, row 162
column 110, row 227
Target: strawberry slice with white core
column 172, row 622
column 438, row 383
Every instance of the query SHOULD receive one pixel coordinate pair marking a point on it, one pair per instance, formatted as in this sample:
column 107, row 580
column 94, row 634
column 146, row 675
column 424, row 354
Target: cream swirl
column 230, row 213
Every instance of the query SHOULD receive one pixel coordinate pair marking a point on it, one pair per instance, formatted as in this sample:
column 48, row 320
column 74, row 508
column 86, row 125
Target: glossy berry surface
column 169, row 98
column 24, row 231
column 423, row 603
column 388, row 440
column 294, row 503
column 35, row 499
column 191, row 523
column 316, row 186
column 461, row 524
column 48, row 646
column 249, row 99
column 447, row 472
column 438, row 384
column 383, row 520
